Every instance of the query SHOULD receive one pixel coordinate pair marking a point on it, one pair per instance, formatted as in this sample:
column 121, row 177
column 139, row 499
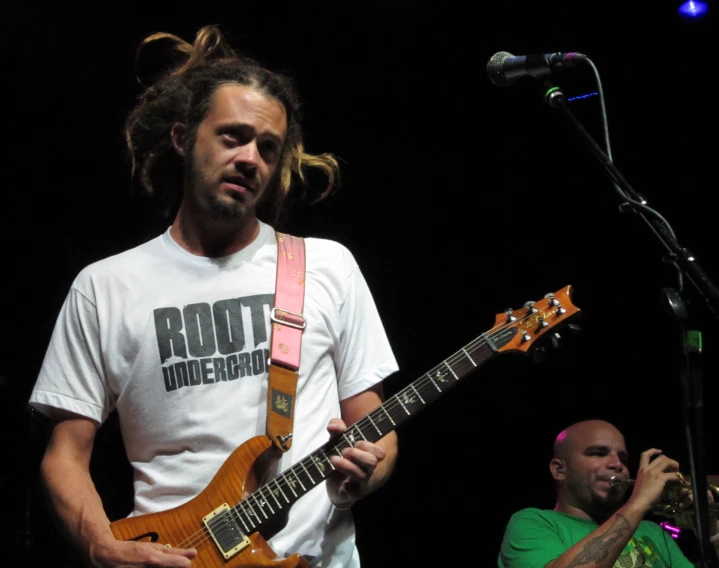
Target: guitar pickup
column 225, row 531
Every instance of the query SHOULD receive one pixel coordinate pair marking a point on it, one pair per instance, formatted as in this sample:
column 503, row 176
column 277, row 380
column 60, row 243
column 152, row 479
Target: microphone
column 504, row 68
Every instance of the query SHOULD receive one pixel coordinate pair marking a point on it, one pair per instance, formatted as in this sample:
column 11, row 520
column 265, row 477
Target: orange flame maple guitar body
column 186, row 526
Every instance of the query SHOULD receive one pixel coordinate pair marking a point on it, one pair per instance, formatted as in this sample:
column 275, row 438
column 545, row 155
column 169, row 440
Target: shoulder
column 546, row 518
column 327, row 255
column 531, row 513
column 328, row 246
column 117, row 266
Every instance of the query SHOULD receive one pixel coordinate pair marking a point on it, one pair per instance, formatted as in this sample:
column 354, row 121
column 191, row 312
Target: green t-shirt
column 535, row 537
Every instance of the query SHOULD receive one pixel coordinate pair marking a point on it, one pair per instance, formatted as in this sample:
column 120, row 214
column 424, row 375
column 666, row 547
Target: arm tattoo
column 597, row 549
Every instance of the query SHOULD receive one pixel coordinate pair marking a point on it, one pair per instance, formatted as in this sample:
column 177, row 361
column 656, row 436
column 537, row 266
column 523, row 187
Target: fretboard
column 277, row 495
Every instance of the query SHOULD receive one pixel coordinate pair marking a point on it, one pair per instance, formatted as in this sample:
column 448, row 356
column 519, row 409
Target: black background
column 460, row 199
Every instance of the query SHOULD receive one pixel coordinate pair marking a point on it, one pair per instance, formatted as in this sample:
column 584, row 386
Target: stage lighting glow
column 674, row 531
column 579, row 97
column 693, row 9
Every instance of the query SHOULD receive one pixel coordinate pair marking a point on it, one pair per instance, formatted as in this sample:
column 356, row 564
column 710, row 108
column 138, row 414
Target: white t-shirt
column 178, row 344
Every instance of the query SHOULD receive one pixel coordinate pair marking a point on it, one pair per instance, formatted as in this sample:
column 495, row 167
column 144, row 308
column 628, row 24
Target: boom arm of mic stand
column 681, row 257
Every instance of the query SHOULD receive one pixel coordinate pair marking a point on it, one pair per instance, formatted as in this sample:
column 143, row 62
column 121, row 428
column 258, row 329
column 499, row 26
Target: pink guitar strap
column 288, row 323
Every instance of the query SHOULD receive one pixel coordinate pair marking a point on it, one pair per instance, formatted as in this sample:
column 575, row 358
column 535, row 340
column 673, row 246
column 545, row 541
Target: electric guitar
column 230, row 521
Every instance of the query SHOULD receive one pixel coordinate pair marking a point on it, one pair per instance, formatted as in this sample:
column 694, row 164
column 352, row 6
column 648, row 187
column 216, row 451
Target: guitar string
column 478, row 342
column 199, row 537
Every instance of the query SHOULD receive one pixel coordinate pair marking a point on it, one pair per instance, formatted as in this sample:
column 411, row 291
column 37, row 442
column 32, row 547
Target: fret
column 277, row 502
column 279, row 488
column 244, row 524
column 451, row 370
column 319, row 465
column 440, row 379
column 327, row 460
column 418, row 395
column 257, row 505
column 253, row 513
column 289, row 484
column 249, row 516
column 369, row 417
column 409, row 400
column 434, row 383
column 468, row 357
column 384, row 409
column 403, row 406
column 298, row 480
column 308, row 473
column 261, row 504
column 265, row 502
column 360, row 432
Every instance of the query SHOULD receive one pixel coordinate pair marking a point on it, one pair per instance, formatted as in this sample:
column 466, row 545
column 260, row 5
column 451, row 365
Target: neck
column 571, row 510
column 213, row 238
column 597, row 516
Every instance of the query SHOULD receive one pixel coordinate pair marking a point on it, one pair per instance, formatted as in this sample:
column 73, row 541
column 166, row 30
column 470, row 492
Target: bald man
column 592, row 524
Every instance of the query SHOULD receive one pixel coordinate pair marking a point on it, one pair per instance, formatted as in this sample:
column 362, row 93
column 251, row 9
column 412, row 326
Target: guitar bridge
column 225, row 531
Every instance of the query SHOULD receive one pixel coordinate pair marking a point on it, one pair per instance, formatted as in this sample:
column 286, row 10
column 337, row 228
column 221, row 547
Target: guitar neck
column 418, row 395
column 282, row 491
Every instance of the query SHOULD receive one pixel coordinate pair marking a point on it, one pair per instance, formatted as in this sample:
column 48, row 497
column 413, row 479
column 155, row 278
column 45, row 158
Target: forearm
column 602, row 547
column 75, row 503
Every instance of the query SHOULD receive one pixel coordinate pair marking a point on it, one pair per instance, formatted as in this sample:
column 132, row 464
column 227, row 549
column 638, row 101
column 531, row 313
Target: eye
column 270, row 151
column 231, row 138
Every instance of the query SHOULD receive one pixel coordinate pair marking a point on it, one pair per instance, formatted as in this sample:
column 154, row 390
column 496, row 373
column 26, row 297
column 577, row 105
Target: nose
column 247, row 158
column 615, row 463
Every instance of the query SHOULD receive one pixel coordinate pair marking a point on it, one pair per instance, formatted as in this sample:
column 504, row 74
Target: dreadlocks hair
column 182, row 92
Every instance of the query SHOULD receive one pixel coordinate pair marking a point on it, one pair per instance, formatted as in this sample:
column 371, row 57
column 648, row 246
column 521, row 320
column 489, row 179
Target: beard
column 220, row 210
column 598, row 505
column 216, row 208
column 605, row 505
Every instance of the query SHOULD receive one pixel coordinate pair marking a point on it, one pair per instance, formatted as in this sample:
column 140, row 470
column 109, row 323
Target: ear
column 556, row 467
column 177, row 134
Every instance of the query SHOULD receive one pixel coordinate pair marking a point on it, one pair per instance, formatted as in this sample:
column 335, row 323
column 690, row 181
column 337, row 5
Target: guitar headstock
column 520, row 330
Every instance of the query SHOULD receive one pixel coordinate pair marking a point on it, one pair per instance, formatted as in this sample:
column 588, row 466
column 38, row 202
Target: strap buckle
column 299, row 320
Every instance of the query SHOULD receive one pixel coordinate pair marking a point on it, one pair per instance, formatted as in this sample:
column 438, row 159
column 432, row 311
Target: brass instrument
column 672, row 502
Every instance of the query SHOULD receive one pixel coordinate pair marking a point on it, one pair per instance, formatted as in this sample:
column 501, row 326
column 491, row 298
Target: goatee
column 222, row 211
column 605, row 506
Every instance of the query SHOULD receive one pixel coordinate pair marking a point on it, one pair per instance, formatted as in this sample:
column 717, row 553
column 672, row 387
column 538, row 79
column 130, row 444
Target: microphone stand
column 686, row 265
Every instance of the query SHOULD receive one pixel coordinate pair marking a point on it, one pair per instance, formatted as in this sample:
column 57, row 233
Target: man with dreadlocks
column 175, row 334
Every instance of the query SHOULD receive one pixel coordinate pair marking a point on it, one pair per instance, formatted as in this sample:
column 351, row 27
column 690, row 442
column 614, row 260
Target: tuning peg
column 539, row 354
column 574, row 327
column 552, row 299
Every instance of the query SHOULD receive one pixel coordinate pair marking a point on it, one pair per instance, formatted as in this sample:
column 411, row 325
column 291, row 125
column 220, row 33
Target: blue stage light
column 693, row 9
